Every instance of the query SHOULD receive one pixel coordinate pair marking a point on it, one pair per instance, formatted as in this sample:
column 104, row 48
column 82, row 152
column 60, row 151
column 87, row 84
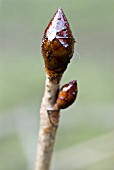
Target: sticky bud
column 57, row 45
column 67, row 95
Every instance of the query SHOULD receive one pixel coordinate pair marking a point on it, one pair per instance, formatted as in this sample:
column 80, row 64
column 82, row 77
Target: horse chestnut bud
column 57, row 45
column 67, row 95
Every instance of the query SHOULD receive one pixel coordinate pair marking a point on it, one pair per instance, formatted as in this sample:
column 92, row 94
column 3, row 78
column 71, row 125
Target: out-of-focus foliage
column 22, row 77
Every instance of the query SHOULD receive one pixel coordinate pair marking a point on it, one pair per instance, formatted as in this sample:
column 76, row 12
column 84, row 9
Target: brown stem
column 47, row 131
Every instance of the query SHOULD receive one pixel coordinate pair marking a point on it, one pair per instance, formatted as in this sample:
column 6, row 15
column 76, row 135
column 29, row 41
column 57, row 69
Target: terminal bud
column 57, row 45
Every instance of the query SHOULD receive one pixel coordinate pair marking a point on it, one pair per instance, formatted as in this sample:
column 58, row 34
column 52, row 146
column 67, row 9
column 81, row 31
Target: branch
column 57, row 50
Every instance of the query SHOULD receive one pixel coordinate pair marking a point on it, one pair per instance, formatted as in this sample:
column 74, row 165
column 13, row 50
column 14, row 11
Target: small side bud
column 67, row 95
column 57, row 45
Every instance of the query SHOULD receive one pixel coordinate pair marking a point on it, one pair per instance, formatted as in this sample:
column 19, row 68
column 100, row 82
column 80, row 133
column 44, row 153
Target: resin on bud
column 67, row 95
column 57, row 45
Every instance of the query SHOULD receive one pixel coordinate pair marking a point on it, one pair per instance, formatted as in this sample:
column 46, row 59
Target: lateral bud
column 66, row 95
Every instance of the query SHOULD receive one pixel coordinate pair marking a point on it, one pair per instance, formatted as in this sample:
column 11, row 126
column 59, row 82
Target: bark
column 47, row 131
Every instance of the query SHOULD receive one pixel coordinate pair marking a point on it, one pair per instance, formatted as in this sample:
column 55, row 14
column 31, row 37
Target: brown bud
column 57, row 45
column 67, row 95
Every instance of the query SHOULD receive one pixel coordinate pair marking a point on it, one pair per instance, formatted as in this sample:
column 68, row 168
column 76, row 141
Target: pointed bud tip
column 71, row 86
column 60, row 10
column 73, row 82
column 58, row 27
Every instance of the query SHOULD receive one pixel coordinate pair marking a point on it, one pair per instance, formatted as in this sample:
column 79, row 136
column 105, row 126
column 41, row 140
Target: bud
column 67, row 95
column 57, row 45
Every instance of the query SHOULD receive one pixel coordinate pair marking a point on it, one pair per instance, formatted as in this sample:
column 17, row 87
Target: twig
column 57, row 50
column 47, row 131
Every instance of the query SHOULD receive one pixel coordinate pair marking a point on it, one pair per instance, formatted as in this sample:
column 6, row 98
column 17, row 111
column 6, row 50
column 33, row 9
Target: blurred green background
column 86, row 132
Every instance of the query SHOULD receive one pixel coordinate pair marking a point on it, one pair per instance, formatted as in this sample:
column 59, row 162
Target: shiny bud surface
column 67, row 95
column 57, row 44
